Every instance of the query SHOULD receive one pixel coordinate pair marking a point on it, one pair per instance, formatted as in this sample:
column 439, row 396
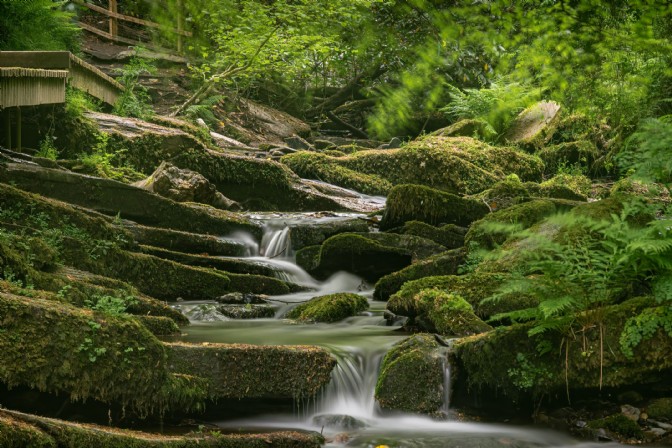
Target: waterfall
column 353, row 382
column 276, row 243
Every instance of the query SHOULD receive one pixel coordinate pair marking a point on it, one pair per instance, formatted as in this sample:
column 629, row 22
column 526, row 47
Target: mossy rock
column 449, row 236
column 473, row 288
column 247, row 311
column 566, row 186
column 329, row 308
column 504, row 193
column 471, row 127
column 447, row 314
column 420, row 248
column 312, row 165
column 179, row 241
column 579, row 366
column 578, row 153
column 534, row 126
column 254, row 371
column 484, row 231
column 660, row 408
column 446, row 263
column 312, row 234
column 97, row 353
column 159, row 325
column 629, row 186
column 459, row 165
column 620, row 425
column 35, row 431
column 359, row 255
column 18, row 434
column 411, row 377
column 308, row 258
column 419, row 203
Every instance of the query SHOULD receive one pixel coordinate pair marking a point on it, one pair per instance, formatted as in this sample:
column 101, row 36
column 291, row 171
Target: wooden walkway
column 32, row 78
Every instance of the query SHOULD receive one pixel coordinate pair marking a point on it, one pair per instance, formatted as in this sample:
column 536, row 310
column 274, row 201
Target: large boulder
column 446, row 263
column 460, row 165
column 449, row 236
column 420, row 203
column 534, row 125
column 329, row 308
column 447, row 314
column 571, row 365
column 412, row 377
column 183, row 185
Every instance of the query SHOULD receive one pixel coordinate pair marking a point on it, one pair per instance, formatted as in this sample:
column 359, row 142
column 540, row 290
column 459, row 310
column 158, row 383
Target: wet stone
column 239, row 298
column 338, row 421
column 247, row 311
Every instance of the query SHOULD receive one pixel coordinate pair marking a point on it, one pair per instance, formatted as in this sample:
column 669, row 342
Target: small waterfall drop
column 276, row 243
column 353, row 382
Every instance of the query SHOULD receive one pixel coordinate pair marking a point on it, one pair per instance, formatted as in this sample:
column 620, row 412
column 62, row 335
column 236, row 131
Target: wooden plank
column 107, row 35
column 35, row 59
column 131, row 19
column 114, row 28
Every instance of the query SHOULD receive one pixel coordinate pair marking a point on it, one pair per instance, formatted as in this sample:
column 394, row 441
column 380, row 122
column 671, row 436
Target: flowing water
column 359, row 345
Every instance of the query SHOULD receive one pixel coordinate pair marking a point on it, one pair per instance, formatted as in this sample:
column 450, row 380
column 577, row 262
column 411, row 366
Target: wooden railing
column 114, row 17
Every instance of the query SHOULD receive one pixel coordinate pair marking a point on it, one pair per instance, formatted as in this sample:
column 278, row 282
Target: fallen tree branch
column 355, row 131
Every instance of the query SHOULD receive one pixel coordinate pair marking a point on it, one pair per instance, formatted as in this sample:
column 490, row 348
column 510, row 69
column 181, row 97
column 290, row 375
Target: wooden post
column 8, row 127
column 114, row 30
column 180, row 25
column 18, row 129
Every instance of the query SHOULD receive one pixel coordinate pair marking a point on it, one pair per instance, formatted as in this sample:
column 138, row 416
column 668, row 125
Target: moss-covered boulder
column 311, row 234
column 19, row 430
column 504, row 193
column 179, row 241
column 329, row 308
column 470, row 127
column 447, row 313
column 411, row 377
column 578, row 153
column 485, row 233
column 254, row 371
column 97, row 354
column 308, row 258
column 660, row 408
column 566, row 186
column 619, row 425
column 630, row 186
column 449, row 236
column 420, row 203
column 359, row 255
column 115, row 198
column 460, row 165
column 159, row 325
column 579, row 366
column 312, row 165
column 446, row 263
column 473, row 288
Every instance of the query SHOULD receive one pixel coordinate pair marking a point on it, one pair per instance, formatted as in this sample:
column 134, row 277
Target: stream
column 359, row 344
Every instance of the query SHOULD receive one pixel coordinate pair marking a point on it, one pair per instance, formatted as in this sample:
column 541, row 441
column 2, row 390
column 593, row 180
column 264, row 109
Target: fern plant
column 496, row 105
column 203, row 110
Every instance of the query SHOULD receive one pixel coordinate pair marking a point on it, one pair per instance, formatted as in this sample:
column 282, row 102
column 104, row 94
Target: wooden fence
column 113, row 15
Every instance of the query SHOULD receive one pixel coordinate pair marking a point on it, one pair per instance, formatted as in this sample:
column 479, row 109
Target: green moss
column 411, row 377
column 311, row 234
column 577, row 153
column 257, row 284
column 254, row 371
column 660, row 408
column 74, row 435
column 504, row 193
column 308, row 257
column 159, row 325
column 97, row 354
column 420, row 203
column 448, row 313
column 484, row 233
column 450, row 236
column 631, row 186
column 359, row 255
column 18, row 434
column 472, row 287
column 567, row 186
column 619, row 424
column 445, row 263
column 329, row 308
column 312, row 165
column 580, row 361
column 472, row 127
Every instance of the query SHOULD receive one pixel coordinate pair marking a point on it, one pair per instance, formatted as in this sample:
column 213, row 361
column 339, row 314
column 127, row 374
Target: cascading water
column 359, row 344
